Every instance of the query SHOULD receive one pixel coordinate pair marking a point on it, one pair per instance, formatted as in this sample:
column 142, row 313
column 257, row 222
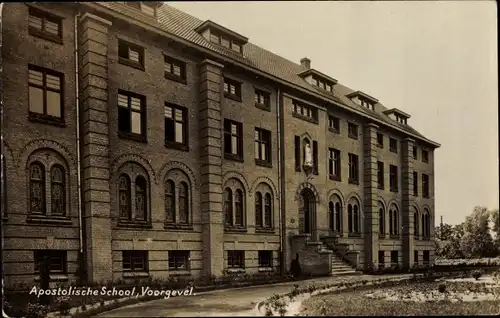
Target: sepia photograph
column 249, row 158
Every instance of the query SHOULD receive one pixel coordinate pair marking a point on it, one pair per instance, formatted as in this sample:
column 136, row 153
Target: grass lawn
column 415, row 299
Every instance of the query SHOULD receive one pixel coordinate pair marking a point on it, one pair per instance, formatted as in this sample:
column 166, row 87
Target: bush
column 476, row 274
column 442, row 288
column 36, row 311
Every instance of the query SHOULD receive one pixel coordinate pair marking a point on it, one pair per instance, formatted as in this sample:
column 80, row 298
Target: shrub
column 36, row 311
column 476, row 274
column 442, row 288
column 63, row 306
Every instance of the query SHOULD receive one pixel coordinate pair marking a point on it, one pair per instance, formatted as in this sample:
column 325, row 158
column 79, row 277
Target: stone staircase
column 339, row 267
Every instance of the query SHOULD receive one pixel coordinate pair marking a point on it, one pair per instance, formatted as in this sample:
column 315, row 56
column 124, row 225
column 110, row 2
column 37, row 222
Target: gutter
column 215, row 55
column 78, row 155
column 281, row 181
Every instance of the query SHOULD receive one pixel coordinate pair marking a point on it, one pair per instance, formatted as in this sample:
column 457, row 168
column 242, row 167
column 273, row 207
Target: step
column 341, row 273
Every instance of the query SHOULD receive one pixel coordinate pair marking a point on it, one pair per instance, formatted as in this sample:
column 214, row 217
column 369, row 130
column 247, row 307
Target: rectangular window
column 425, row 156
column 178, row 260
column 393, row 177
column 380, row 140
column 334, row 164
column 236, row 259
column 353, row 169
column 214, row 38
column 381, row 258
column 262, row 147
column 426, row 257
column 315, row 157
column 415, row 183
column 131, row 54
column 176, row 126
column 425, row 185
column 394, row 258
column 45, row 94
column 352, row 130
column 132, row 115
column 380, row 175
column 266, row 259
column 232, row 89
column 233, row 140
column 45, row 25
column 175, row 69
column 56, row 259
column 306, row 112
column 415, row 257
column 135, row 261
column 334, row 124
column 225, row 42
column 297, row 153
column 262, row 99
column 393, row 145
column 415, row 153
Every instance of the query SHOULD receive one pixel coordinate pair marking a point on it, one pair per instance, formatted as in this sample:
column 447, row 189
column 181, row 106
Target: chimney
column 305, row 62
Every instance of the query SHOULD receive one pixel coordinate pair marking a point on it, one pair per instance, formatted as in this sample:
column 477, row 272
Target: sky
column 436, row 61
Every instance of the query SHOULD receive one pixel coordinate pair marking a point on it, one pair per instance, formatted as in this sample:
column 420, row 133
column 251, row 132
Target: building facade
column 140, row 141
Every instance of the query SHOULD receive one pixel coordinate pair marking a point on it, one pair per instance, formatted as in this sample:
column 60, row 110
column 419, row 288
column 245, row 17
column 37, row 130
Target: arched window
column 416, row 220
column 349, row 218
column 183, row 203
column 238, row 205
column 338, row 218
column 394, row 221
column 58, row 193
column 170, row 201
column 228, row 207
column 331, row 216
column 268, row 223
column 125, row 197
column 37, row 188
column 381, row 220
column 140, row 198
column 356, row 219
column 426, row 224
column 258, row 209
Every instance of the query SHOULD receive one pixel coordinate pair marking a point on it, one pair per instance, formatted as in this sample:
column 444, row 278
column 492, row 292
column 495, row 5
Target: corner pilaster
column 371, row 218
column 94, row 122
column 211, row 167
column 407, row 201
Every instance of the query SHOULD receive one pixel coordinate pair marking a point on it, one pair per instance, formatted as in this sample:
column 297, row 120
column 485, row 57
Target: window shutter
column 297, row 153
column 315, row 157
column 269, row 148
column 240, row 140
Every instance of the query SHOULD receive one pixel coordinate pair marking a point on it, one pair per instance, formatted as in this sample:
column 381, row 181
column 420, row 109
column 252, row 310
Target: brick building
column 151, row 144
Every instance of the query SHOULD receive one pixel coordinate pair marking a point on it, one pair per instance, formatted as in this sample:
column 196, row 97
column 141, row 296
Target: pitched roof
column 183, row 25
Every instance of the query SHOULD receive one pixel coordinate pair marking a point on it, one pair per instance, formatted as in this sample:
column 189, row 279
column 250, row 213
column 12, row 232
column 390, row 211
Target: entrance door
column 306, row 211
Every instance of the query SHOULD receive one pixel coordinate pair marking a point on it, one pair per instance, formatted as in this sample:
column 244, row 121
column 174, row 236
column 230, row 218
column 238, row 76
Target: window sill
column 335, row 178
column 45, row 35
column 263, row 107
column 54, row 277
column 135, row 274
column 263, row 163
column 352, row 181
column 46, row 119
column 393, row 150
column 416, row 237
column 394, row 190
column 179, row 272
column 178, row 226
column 132, row 136
column 309, row 119
column 42, row 219
column 425, row 196
column 231, row 229
column 394, row 237
column 382, row 236
column 233, row 157
column 336, row 131
column 265, row 230
column 415, row 194
column 354, row 235
column 232, row 96
column 235, row 270
column 353, row 137
column 130, row 63
column 380, row 146
column 175, row 78
column 426, row 238
column 265, row 269
column 425, row 161
column 135, row 224
column 176, row 145
column 380, row 187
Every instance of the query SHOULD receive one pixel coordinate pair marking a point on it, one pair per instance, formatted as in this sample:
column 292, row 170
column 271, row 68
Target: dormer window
column 321, row 83
column 222, row 36
column 398, row 115
column 367, row 104
column 148, row 8
column 363, row 99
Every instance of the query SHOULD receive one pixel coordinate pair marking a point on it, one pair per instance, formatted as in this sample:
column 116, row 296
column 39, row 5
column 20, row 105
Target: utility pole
column 441, row 221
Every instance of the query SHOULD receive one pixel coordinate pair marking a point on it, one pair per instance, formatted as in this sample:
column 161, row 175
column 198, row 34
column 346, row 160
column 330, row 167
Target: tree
column 495, row 218
column 477, row 240
column 444, row 232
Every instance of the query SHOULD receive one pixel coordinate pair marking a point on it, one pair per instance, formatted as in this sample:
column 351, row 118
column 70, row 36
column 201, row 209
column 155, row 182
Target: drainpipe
column 78, row 155
column 281, row 183
column 1, row 164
